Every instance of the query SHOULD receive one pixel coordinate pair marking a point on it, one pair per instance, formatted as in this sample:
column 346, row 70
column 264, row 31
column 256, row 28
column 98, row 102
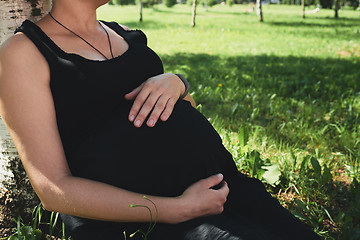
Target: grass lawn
column 290, row 84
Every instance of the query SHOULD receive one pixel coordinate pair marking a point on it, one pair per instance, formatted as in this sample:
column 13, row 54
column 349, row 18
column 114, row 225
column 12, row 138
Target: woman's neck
column 77, row 15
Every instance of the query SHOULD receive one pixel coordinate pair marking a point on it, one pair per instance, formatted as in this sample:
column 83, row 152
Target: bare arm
column 27, row 108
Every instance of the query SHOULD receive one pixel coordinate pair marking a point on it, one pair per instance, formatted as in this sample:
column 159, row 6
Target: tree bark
column 259, row 10
column 336, row 8
column 303, row 8
column 12, row 14
column 193, row 13
column 140, row 11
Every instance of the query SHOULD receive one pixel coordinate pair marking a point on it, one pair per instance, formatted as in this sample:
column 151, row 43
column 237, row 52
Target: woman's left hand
column 157, row 97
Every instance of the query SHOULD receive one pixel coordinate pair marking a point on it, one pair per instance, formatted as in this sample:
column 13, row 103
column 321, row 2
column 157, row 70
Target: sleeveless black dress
column 101, row 144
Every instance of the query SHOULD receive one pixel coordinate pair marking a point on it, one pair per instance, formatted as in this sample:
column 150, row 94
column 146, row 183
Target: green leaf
column 236, row 105
column 326, row 176
column 27, row 231
column 301, row 204
column 328, row 214
column 303, row 165
column 38, row 234
column 272, row 174
column 255, row 164
column 293, row 158
column 13, row 237
column 299, row 215
column 316, row 166
column 260, row 173
column 243, row 136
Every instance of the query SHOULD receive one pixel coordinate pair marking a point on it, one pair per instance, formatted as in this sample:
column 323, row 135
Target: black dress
column 101, row 144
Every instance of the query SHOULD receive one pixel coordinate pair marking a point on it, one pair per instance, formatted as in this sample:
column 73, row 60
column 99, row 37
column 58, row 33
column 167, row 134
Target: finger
column 145, row 110
column 168, row 109
column 140, row 99
column 213, row 180
column 132, row 95
column 224, row 188
column 158, row 109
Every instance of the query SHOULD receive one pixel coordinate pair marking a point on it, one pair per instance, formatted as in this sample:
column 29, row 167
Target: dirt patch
column 351, row 51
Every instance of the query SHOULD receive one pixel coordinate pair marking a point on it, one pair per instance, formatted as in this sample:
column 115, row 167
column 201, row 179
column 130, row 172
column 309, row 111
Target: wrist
column 185, row 212
column 177, row 211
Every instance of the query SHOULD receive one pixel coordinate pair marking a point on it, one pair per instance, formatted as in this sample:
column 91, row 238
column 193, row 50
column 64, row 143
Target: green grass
column 293, row 83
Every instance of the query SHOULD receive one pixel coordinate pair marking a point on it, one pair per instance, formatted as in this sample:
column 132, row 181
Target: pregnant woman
column 98, row 125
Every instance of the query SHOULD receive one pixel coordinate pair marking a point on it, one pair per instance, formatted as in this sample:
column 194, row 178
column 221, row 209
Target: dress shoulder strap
column 137, row 36
column 39, row 38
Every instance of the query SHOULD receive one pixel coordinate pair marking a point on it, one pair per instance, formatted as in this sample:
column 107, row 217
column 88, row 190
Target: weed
column 35, row 230
column 152, row 222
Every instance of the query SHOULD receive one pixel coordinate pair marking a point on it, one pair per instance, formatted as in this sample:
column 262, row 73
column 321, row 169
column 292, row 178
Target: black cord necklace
column 107, row 34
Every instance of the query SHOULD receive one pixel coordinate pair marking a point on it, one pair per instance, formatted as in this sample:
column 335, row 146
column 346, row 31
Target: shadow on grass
column 200, row 13
column 273, row 91
column 301, row 78
column 308, row 22
column 149, row 24
column 146, row 24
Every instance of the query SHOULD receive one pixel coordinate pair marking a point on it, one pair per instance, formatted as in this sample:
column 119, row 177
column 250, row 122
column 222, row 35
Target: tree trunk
column 13, row 181
column 140, row 10
column 303, row 8
column 14, row 12
column 336, row 8
column 259, row 10
column 193, row 13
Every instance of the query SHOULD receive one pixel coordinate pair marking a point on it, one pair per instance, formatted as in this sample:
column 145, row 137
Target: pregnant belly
column 163, row 160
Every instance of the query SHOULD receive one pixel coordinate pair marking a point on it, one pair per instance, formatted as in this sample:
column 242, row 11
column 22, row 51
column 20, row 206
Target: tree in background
column 337, row 8
column 193, row 13
column 169, row 3
column 326, row 3
column 148, row 3
column 259, row 10
column 303, row 8
column 140, row 10
column 123, row 2
column 141, row 3
column 354, row 3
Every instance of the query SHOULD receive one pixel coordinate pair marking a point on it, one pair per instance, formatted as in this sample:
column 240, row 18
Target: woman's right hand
column 201, row 200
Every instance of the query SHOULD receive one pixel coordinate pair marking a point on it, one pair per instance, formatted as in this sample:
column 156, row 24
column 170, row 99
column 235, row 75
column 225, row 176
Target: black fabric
column 101, row 144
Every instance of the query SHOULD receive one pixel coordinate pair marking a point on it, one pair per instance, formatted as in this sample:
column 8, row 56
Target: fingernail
column 151, row 122
column 132, row 117
column 163, row 117
column 220, row 176
column 138, row 123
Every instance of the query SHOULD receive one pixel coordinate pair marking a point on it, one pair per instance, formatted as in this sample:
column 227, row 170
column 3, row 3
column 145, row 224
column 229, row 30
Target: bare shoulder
column 23, row 72
column 17, row 45
column 20, row 53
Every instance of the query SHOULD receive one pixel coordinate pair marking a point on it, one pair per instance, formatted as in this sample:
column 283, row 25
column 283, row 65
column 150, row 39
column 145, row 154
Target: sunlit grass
column 231, row 31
